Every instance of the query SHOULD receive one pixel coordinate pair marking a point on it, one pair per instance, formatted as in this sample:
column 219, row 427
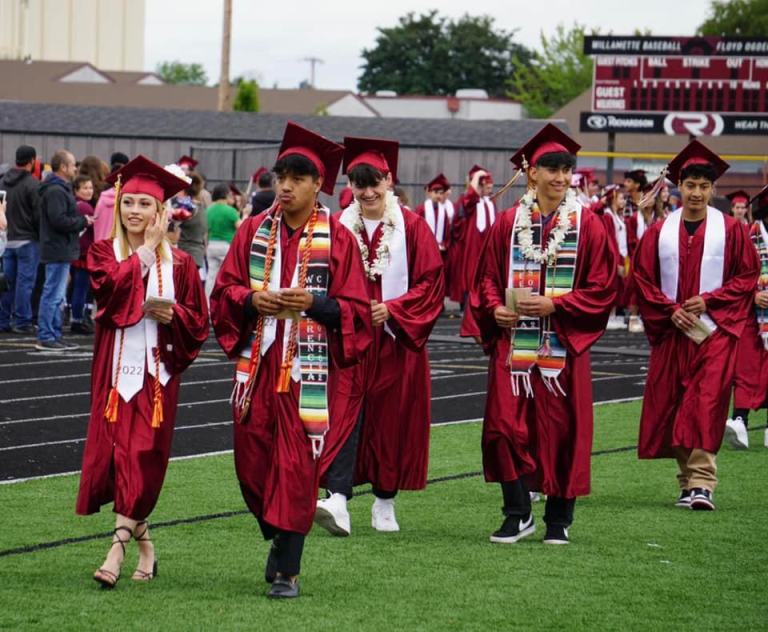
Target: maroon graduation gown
column 473, row 246
column 688, row 387
column 547, row 439
column 392, row 383
column 273, row 456
column 126, row 461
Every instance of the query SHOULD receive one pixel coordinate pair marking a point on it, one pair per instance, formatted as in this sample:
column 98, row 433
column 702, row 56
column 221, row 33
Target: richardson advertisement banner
column 673, row 123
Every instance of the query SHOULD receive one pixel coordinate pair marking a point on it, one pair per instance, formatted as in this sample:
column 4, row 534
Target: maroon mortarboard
column 474, row 170
column 488, row 177
column 760, row 203
column 548, row 140
column 695, row 153
column 346, row 197
column 188, row 161
column 738, row 197
column 439, row 182
column 320, row 151
column 587, row 173
column 141, row 175
column 610, row 191
column 379, row 153
column 233, row 188
column 257, row 174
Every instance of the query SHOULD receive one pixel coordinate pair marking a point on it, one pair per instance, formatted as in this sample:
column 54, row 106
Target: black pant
column 340, row 474
column 288, row 548
column 517, row 503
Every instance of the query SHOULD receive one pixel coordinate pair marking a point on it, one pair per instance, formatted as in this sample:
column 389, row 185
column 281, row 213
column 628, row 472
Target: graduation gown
column 613, row 243
column 391, row 386
column 473, row 245
column 688, row 386
column 126, row 461
column 273, row 456
column 545, row 439
column 445, row 251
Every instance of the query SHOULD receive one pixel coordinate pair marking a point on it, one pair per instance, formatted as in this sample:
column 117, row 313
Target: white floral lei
column 524, row 228
column 381, row 260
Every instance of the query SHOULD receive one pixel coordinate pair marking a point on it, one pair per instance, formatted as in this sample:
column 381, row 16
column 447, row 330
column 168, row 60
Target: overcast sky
column 270, row 39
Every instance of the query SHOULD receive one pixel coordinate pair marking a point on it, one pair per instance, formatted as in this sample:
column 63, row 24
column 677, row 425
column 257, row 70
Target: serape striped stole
column 533, row 341
column 310, row 367
column 759, row 236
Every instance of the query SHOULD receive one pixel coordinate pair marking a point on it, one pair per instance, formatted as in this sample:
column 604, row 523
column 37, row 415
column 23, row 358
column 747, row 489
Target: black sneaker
column 684, row 499
column 51, row 345
column 24, row 329
column 701, row 500
column 556, row 535
column 82, row 328
column 69, row 346
column 514, row 529
column 284, row 588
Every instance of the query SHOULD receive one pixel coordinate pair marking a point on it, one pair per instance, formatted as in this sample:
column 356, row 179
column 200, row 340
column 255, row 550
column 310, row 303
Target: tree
column 748, row 18
column 247, row 97
column 557, row 74
column 430, row 54
column 176, row 72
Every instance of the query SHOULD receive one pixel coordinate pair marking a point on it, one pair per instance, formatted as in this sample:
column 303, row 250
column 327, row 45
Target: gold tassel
column 284, row 383
column 507, row 186
column 110, row 411
column 157, row 411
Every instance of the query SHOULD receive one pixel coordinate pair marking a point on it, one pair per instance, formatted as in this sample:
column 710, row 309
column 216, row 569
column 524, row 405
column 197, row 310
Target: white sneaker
column 615, row 323
column 536, row 497
column 636, row 325
column 736, row 433
column 765, row 438
column 332, row 515
column 383, row 515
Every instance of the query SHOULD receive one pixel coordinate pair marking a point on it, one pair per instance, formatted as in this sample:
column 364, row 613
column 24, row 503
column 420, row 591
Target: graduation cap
column 696, row 153
column 346, row 197
column 738, row 197
column 587, row 175
column 233, row 188
column 187, row 161
column 760, row 204
column 439, row 182
column 321, row 152
column 548, row 140
column 141, row 175
column 257, row 174
column 378, row 153
column 610, row 191
column 638, row 175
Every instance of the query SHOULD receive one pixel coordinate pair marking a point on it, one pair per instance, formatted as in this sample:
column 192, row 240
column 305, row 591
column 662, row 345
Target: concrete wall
column 103, row 32
column 432, row 108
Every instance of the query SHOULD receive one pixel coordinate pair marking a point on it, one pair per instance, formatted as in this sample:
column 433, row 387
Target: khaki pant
column 697, row 469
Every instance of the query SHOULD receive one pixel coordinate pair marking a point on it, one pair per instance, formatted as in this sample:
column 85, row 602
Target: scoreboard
column 701, row 74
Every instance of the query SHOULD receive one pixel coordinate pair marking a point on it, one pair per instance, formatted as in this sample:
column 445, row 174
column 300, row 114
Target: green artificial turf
column 635, row 562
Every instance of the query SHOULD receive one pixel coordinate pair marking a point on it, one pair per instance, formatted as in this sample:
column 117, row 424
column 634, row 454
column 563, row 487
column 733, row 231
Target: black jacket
column 60, row 223
column 23, row 205
column 261, row 201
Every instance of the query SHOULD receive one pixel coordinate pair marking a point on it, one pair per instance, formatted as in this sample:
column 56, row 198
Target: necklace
column 380, row 261
column 534, row 252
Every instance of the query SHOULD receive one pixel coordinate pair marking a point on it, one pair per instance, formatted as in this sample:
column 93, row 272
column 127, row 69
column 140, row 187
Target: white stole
column 394, row 278
column 435, row 219
column 712, row 261
column 620, row 229
column 140, row 340
column 640, row 231
column 449, row 210
column 484, row 204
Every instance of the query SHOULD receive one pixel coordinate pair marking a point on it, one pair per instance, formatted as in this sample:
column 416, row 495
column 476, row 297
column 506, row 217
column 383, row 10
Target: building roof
column 41, row 82
column 242, row 127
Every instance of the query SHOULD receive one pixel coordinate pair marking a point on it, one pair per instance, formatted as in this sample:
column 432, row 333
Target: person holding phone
column 151, row 322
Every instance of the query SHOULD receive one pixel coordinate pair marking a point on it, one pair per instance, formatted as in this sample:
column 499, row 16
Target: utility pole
column 224, row 101
column 313, row 61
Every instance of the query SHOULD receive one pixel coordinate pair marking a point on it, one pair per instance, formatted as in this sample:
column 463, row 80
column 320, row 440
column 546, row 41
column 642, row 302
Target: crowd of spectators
column 52, row 213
